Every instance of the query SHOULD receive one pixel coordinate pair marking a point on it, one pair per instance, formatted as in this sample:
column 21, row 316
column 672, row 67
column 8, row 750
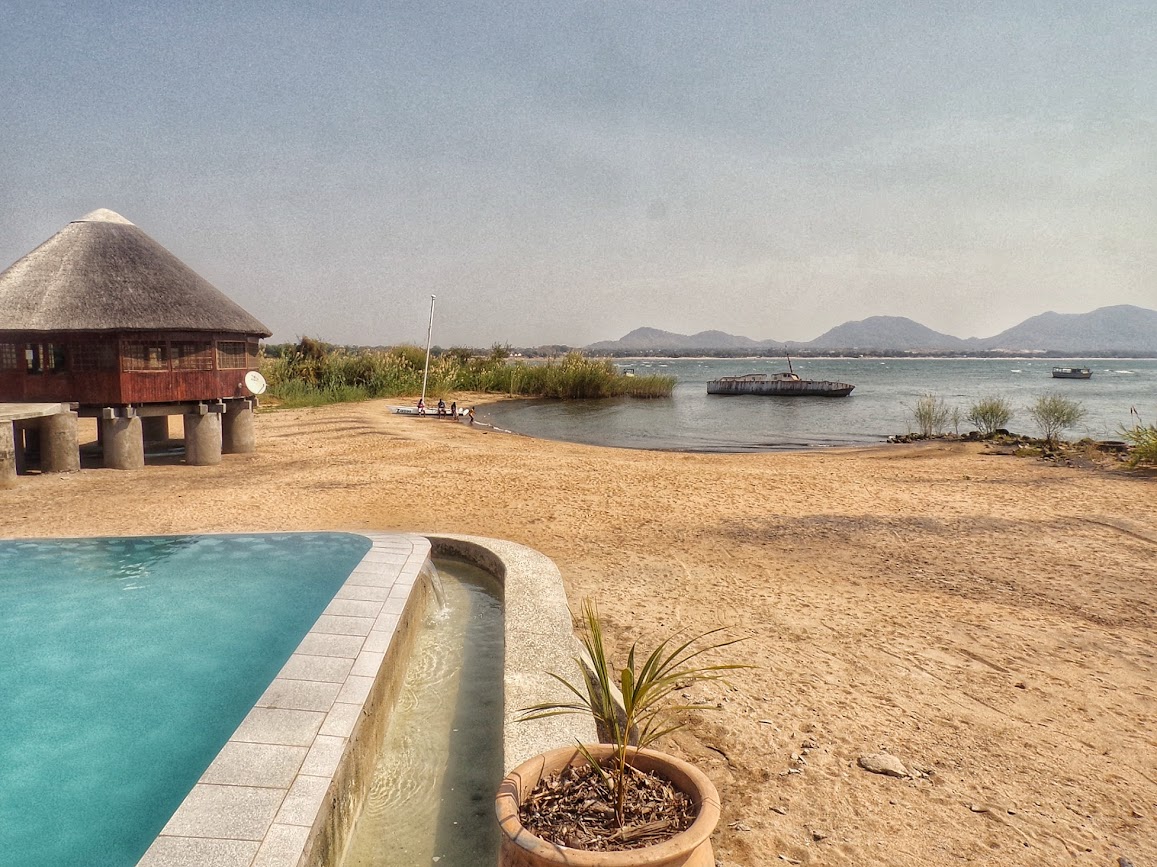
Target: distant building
column 102, row 316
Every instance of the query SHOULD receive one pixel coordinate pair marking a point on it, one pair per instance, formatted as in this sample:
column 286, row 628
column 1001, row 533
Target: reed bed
column 1143, row 439
column 312, row 374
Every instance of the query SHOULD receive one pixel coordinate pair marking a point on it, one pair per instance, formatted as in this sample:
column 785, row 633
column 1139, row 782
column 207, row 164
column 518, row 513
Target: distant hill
column 1122, row 329
column 886, row 333
column 655, row 340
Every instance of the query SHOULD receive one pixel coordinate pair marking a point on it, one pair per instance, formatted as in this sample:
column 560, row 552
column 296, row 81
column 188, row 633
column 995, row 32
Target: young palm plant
column 644, row 716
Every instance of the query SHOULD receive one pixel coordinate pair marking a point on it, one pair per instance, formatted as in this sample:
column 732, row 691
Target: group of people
column 441, row 409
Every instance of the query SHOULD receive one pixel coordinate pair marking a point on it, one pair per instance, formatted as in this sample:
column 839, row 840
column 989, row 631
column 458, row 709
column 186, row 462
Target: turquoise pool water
column 126, row 664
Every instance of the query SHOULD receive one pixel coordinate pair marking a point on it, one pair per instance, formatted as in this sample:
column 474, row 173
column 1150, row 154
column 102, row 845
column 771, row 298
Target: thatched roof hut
column 102, row 273
column 100, row 314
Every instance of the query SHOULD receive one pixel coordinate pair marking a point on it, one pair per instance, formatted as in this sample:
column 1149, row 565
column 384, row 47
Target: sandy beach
column 988, row 620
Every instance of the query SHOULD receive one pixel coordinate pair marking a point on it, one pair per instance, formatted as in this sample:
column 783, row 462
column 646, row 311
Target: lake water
column 886, row 390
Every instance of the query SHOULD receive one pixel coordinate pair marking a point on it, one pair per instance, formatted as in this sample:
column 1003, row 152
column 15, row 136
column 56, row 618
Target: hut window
column 231, row 354
column 140, row 355
column 90, row 357
column 34, row 358
column 45, row 358
column 8, row 356
column 193, row 356
column 55, row 359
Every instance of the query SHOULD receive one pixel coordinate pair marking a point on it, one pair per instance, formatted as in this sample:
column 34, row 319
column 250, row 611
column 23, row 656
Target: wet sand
column 989, row 620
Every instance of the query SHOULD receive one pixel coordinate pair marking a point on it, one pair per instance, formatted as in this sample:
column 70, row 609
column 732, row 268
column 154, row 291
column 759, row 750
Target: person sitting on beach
column 441, row 407
column 421, row 407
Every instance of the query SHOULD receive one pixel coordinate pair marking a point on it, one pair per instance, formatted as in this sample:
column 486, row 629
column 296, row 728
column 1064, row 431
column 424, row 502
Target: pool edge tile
column 244, row 763
column 367, row 663
column 341, row 719
column 282, row 846
column 303, row 801
column 170, row 851
column 225, row 812
column 324, row 756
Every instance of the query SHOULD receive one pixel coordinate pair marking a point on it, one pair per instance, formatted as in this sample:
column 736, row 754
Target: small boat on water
column 1072, row 373
column 778, row 385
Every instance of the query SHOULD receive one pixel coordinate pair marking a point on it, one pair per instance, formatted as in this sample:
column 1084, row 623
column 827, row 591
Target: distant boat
column 778, row 385
column 1072, row 373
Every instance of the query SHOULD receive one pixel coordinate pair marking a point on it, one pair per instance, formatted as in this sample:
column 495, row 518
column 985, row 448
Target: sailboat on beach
column 441, row 411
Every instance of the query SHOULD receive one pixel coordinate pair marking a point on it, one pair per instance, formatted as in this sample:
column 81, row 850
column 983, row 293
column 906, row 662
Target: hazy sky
column 564, row 172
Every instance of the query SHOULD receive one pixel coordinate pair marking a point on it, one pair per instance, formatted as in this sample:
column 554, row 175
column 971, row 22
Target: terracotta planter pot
column 690, row 848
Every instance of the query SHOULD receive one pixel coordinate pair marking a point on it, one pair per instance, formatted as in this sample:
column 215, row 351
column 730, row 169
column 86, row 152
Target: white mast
column 429, row 333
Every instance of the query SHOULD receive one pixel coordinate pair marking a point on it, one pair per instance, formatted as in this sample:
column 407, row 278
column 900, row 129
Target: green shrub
column 990, row 414
column 931, row 414
column 1054, row 414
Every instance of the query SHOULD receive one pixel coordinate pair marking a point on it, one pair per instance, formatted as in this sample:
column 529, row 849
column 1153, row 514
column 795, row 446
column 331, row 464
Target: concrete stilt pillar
column 155, row 428
column 238, row 435
column 7, row 454
column 124, row 448
column 59, row 448
column 202, row 439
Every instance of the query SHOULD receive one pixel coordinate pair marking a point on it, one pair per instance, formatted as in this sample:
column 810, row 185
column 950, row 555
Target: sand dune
column 989, row 620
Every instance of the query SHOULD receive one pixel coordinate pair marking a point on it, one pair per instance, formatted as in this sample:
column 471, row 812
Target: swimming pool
column 287, row 786
column 128, row 663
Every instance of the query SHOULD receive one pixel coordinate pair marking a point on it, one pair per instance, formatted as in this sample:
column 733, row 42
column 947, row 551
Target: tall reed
column 1143, row 439
column 314, row 374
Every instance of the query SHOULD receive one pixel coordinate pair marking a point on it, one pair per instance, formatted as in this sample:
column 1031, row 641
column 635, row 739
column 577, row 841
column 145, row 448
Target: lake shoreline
column 880, row 406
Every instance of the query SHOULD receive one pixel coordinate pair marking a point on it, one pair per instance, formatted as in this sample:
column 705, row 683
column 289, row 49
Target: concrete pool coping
column 287, row 787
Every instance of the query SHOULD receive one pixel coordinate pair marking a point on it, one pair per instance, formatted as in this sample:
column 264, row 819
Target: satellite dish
column 255, row 382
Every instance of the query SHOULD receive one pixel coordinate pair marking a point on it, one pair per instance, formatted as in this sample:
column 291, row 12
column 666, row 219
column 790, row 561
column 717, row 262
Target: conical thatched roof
column 102, row 273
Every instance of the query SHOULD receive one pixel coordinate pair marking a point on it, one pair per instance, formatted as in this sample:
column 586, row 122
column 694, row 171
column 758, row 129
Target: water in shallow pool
column 432, row 797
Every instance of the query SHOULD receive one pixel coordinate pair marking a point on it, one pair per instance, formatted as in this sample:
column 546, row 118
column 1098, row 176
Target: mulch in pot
column 574, row 808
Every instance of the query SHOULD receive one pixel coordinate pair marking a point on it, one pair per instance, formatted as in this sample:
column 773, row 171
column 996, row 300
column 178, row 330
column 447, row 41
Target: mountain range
column 1122, row 329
